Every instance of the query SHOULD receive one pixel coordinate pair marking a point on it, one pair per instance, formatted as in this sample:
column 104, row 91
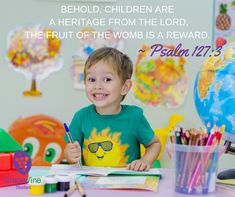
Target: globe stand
column 228, row 174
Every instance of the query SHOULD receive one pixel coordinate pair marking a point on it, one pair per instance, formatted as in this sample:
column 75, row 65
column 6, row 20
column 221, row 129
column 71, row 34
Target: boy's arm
column 152, row 151
column 145, row 135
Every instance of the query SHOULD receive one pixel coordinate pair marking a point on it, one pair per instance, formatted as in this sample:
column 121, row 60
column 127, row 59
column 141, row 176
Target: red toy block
column 6, row 161
column 12, row 177
column 12, row 161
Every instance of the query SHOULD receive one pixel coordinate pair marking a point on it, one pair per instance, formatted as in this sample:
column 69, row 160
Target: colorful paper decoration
column 86, row 47
column 35, row 57
column 160, row 81
column 114, row 41
column 224, row 22
column 42, row 138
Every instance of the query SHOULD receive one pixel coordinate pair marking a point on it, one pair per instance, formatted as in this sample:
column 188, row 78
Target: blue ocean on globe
column 214, row 95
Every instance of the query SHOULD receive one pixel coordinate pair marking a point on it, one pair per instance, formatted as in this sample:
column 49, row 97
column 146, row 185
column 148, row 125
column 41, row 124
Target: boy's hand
column 72, row 152
column 138, row 165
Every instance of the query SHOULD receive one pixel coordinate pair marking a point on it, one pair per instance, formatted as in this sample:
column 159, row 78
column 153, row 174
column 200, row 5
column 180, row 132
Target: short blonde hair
column 121, row 62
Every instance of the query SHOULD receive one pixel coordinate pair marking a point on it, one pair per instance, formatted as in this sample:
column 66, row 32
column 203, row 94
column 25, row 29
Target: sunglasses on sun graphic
column 105, row 145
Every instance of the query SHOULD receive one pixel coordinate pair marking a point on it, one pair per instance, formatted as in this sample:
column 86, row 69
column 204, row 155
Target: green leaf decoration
column 232, row 4
column 223, row 8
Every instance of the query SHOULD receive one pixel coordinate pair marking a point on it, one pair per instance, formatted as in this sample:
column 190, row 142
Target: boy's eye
column 107, row 79
column 91, row 79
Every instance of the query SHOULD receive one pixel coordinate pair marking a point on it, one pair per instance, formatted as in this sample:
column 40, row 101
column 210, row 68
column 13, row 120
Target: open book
column 99, row 171
column 121, row 182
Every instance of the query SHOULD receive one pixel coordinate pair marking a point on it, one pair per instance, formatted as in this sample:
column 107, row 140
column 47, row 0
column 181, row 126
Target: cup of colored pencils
column 195, row 155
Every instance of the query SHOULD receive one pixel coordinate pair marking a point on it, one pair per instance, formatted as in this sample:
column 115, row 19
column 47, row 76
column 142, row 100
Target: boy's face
column 104, row 87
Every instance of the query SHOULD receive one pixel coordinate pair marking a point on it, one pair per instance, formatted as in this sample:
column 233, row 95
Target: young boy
column 109, row 133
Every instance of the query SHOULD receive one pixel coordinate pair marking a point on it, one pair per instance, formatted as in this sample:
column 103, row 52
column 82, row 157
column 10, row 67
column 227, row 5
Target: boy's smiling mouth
column 99, row 96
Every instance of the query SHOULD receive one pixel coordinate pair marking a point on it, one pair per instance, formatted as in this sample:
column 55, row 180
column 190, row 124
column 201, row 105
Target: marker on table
column 80, row 189
column 70, row 191
column 71, row 140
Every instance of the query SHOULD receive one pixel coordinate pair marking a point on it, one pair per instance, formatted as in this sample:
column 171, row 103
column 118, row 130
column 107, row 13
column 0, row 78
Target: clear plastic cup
column 195, row 167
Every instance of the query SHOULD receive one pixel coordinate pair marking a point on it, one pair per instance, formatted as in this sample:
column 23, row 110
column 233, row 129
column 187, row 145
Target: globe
column 214, row 91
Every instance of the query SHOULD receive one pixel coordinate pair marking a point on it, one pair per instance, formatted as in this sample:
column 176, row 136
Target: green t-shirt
column 110, row 140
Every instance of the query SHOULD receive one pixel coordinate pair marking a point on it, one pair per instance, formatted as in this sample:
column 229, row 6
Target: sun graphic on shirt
column 105, row 149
